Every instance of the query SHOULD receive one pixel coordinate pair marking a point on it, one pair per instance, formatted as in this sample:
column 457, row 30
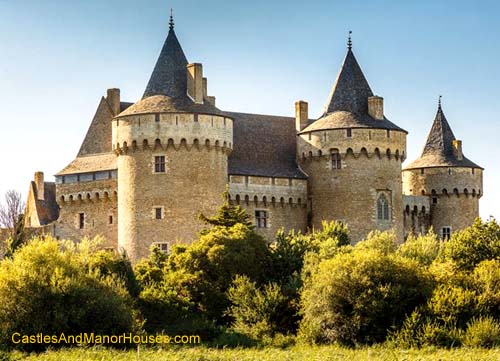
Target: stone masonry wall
column 284, row 200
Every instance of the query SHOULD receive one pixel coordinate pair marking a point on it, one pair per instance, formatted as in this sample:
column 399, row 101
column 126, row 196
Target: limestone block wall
column 97, row 200
column 416, row 215
column 370, row 166
column 454, row 194
column 284, row 200
column 196, row 148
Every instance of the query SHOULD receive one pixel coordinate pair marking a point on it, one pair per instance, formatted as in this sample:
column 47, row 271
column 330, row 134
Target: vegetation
column 233, row 289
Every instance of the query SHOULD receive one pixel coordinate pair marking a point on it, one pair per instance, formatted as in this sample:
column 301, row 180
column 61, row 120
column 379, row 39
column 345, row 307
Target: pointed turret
column 169, row 74
column 351, row 90
column 442, row 149
column 351, row 102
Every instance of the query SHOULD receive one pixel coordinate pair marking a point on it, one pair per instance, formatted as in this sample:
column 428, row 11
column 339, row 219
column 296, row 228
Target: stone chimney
column 376, row 107
column 457, row 149
column 205, row 87
column 40, row 186
column 195, row 82
column 113, row 98
column 301, row 115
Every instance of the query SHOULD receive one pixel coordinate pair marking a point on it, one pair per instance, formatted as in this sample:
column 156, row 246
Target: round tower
column 172, row 148
column 352, row 155
column 453, row 182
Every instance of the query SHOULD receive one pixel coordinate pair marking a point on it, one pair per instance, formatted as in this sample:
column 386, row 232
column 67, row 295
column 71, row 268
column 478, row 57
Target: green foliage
column 356, row 297
column 485, row 281
column 257, row 312
column 227, row 215
column 47, row 287
column 483, row 332
column 477, row 243
column 383, row 242
column 453, row 305
column 424, row 249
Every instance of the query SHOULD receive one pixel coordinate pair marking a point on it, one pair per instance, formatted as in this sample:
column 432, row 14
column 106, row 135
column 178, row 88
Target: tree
column 11, row 210
column 227, row 215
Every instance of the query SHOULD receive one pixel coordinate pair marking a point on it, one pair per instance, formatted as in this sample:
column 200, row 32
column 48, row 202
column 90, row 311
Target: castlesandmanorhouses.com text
column 92, row 338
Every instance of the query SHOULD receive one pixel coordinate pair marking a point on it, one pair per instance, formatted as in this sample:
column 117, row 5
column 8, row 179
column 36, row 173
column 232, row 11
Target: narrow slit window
column 81, row 220
column 336, row 161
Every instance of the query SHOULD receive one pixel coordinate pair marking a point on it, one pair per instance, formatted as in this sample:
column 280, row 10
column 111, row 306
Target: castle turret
column 172, row 149
column 352, row 155
column 453, row 182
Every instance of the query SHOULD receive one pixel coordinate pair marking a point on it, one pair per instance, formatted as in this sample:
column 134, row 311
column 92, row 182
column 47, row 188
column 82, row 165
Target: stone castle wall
column 283, row 199
column 454, row 194
column 196, row 149
column 370, row 166
column 97, row 200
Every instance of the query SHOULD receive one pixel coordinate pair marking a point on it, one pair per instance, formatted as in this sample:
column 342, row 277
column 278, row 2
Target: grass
column 310, row 353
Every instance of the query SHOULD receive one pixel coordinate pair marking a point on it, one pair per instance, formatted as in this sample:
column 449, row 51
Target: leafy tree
column 47, row 288
column 227, row 215
column 477, row 243
column 17, row 239
column 356, row 297
column 424, row 248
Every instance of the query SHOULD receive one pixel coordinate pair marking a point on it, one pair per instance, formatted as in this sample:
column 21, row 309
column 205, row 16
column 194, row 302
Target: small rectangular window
column 388, row 133
column 163, row 246
column 160, row 164
column 434, row 200
column 446, row 233
column 349, row 132
column 157, row 117
column 158, row 213
column 110, row 219
column 81, row 220
column 336, row 160
column 422, row 170
column 261, row 219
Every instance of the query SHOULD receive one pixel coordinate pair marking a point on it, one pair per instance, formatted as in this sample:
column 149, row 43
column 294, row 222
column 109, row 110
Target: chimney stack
column 457, row 148
column 301, row 115
column 40, row 186
column 376, row 107
column 195, row 82
column 113, row 98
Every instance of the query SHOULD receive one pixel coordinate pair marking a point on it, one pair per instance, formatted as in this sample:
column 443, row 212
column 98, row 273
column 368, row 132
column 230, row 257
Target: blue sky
column 59, row 57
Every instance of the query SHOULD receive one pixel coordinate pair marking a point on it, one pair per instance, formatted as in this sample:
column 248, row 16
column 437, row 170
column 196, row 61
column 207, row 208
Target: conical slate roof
column 169, row 74
column 439, row 150
column 347, row 105
column 351, row 90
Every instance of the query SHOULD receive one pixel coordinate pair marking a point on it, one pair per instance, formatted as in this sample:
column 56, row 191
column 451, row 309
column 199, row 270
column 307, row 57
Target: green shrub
column 47, row 288
column 477, row 243
column 433, row 333
column 257, row 312
column 483, row 332
column 453, row 305
column 356, row 297
column 424, row 249
column 486, row 282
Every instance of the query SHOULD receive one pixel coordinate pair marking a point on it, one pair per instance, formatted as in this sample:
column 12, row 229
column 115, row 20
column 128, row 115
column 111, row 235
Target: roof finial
column 439, row 102
column 171, row 22
column 349, row 41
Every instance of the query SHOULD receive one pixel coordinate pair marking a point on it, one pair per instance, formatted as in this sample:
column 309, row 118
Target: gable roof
column 438, row 150
column 98, row 137
column 47, row 210
column 263, row 145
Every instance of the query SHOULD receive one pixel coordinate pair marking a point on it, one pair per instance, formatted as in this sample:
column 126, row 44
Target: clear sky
column 59, row 57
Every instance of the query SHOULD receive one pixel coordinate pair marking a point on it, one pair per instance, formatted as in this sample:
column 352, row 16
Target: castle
column 145, row 170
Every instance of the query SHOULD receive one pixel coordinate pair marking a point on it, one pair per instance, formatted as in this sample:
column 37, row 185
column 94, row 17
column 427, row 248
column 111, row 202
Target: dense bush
column 357, row 297
column 424, row 249
column 483, row 332
column 47, row 288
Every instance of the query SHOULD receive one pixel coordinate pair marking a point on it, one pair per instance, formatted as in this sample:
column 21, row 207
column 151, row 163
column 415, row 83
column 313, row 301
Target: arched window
column 382, row 208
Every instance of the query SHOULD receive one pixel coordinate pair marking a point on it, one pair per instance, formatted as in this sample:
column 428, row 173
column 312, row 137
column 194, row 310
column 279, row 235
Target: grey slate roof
column 264, row 145
column 347, row 105
column 166, row 104
column 90, row 163
column 169, row 74
column 47, row 209
column 438, row 150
